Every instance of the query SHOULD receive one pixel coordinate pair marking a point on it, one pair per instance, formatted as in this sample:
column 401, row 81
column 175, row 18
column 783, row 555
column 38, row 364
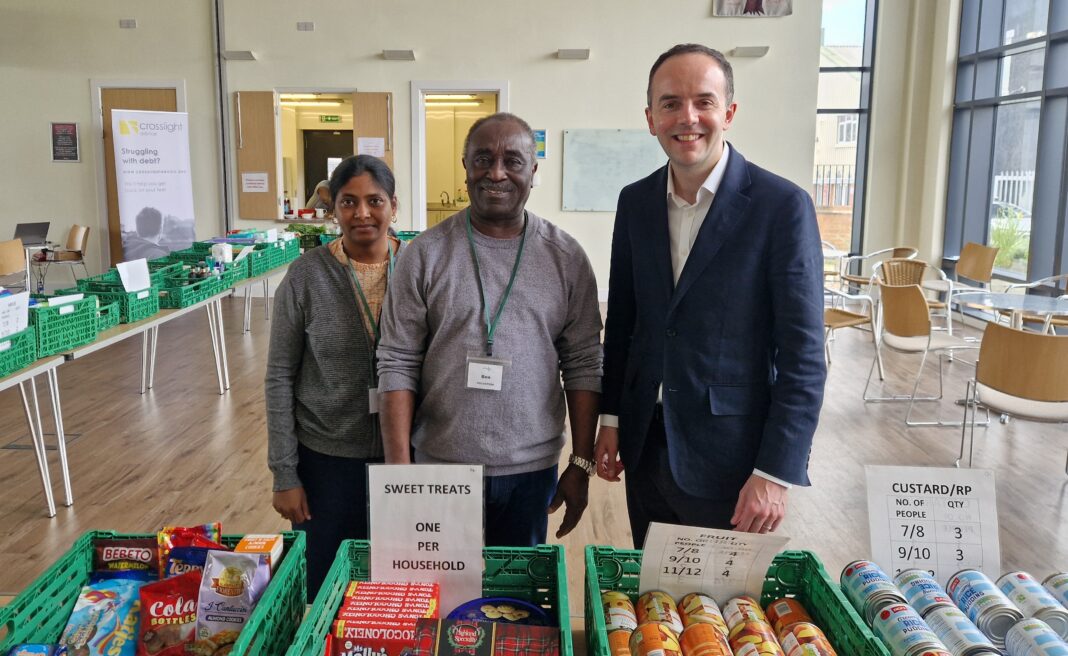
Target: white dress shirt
column 684, row 223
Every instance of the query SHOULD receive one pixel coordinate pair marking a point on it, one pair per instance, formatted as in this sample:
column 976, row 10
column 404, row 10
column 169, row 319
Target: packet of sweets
column 204, row 535
column 136, row 559
column 168, row 616
column 104, row 620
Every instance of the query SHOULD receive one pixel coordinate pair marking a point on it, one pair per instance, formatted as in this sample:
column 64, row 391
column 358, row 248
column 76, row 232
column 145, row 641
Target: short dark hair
column 687, row 49
column 502, row 116
column 149, row 222
column 357, row 165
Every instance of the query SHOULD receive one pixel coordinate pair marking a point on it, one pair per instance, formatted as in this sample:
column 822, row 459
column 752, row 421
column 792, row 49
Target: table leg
column 38, row 444
column 1017, row 320
column 266, row 299
column 144, row 361
column 248, row 310
column 152, row 357
column 215, row 345
column 222, row 343
column 61, row 437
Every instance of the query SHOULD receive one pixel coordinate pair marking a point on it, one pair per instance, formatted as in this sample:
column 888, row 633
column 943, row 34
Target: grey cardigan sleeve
column 404, row 325
column 579, row 343
column 283, row 365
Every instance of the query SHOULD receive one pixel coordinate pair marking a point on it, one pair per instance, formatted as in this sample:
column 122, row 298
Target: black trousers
column 654, row 496
column 337, row 498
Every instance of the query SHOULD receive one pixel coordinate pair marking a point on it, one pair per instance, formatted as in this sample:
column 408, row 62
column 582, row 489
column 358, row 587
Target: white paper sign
column 371, row 146
column 134, row 275
column 426, row 525
column 244, row 253
column 254, row 182
column 939, row 519
column 14, row 314
column 63, row 300
column 272, row 234
column 722, row 564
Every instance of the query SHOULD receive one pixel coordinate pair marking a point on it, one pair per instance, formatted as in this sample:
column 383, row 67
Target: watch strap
column 583, row 464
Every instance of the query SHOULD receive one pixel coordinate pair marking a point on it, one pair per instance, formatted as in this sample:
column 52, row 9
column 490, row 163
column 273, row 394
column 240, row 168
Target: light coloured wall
column 776, row 94
column 49, row 51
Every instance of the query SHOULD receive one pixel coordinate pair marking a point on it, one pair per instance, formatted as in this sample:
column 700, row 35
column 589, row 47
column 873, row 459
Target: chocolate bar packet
column 168, row 615
column 232, row 585
column 136, row 559
column 204, row 535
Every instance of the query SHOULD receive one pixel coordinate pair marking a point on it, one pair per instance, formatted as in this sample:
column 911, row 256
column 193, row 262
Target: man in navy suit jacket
column 713, row 367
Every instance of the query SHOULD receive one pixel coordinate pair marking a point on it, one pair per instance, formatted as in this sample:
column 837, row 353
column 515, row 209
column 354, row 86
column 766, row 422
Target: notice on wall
column 723, row 564
column 426, row 525
column 938, row 519
column 371, row 146
column 65, row 142
column 255, row 182
column 539, row 144
column 14, row 315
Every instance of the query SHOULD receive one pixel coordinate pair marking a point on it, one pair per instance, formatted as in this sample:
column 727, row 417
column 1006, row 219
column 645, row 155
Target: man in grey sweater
column 485, row 313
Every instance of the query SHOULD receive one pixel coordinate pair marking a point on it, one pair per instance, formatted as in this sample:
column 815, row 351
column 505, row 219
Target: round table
column 1016, row 304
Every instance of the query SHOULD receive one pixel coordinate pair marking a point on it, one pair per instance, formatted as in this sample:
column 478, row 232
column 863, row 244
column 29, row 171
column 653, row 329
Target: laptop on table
column 32, row 234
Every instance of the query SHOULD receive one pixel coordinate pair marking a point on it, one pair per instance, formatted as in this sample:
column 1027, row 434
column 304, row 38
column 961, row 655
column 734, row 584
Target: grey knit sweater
column 550, row 329
column 318, row 369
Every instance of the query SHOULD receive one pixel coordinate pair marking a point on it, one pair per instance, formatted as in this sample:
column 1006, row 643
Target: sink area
column 438, row 207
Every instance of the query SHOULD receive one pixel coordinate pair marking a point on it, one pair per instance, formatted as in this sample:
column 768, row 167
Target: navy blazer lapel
column 724, row 217
column 650, row 234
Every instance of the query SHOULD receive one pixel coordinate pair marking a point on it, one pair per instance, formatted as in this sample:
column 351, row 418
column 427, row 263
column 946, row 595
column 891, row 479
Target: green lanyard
column 363, row 299
column 491, row 326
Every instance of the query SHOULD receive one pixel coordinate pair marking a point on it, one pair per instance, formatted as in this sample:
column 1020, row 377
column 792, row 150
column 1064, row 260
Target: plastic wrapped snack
column 232, row 584
column 168, row 615
column 104, row 620
column 204, row 535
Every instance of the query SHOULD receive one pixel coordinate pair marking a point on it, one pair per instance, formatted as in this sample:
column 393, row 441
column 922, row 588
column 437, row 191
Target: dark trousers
column 517, row 508
column 653, row 495
column 337, row 499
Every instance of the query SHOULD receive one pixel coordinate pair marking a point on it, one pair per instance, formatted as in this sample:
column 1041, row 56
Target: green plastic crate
column 16, row 352
column 63, row 327
column 407, row 235
column 535, row 574
column 798, row 574
column 326, row 239
column 40, row 613
column 181, row 292
column 107, row 316
column 133, row 306
column 264, row 258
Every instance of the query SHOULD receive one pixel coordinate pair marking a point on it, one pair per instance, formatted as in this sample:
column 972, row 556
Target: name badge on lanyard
column 486, row 373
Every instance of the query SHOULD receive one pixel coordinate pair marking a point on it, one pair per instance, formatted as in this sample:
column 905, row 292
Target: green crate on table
column 181, row 291
column 39, row 614
column 16, row 352
column 107, row 316
column 798, row 574
column 162, row 267
column 290, row 250
column 407, row 235
column 535, row 574
column 265, row 257
column 63, row 327
column 326, row 239
column 133, row 306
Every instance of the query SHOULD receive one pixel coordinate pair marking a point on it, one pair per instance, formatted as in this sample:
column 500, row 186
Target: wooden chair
column 1020, row 374
column 13, row 260
column 837, row 316
column 976, row 263
column 73, row 254
column 905, row 327
column 907, row 271
column 861, row 281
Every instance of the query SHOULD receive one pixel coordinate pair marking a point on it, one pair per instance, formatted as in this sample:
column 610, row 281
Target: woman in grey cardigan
column 322, row 422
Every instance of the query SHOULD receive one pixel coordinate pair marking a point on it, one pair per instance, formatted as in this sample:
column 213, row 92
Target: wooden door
column 256, row 134
column 157, row 100
column 372, row 116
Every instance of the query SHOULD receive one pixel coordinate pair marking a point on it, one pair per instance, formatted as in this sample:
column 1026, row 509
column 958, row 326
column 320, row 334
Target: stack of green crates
column 16, row 352
column 181, row 291
column 534, row 574
column 133, row 306
column 797, row 574
column 40, row 613
column 63, row 327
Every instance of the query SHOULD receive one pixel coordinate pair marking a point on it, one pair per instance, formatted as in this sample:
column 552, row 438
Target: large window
column 844, row 96
column 1007, row 158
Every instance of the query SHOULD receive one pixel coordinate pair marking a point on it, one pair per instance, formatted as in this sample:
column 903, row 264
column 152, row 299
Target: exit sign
column 329, row 118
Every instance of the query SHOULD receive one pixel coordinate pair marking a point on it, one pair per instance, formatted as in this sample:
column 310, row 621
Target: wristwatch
column 583, row 464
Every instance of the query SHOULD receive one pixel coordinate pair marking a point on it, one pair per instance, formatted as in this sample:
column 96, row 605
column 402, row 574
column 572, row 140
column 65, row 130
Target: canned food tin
column 984, row 604
column 782, row 613
column 658, row 606
column 754, row 634
column 1035, row 601
column 805, row 639
column 921, row 590
column 1057, row 585
column 937, row 651
column 742, row 609
column 869, row 589
column 619, row 642
column 618, row 612
column 904, row 631
column 696, row 608
column 654, row 639
column 956, row 631
column 702, row 639
column 1033, row 637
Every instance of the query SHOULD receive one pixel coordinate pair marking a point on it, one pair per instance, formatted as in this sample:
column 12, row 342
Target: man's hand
column 292, row 504
column 761, row 506
column 573, row 488
column 606, row 454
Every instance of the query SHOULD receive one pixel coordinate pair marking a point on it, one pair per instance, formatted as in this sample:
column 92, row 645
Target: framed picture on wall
column 65, row 142
column 753, row 8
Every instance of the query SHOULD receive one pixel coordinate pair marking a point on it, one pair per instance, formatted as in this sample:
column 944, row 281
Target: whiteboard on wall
column 599, row 163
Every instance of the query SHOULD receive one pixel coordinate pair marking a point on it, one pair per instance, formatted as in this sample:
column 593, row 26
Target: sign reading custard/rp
column 753, row 8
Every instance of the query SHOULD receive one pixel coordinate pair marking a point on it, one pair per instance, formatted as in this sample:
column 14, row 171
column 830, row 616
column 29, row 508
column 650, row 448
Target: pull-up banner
column 153, row 181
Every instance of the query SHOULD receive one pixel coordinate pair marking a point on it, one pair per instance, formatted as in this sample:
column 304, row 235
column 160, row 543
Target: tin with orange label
column 703, row 639
column 755, row 633
column 619, row 613
column 766, row 649
column 619, row 642
column 805, row 639
column 654, row 639
column 782, row 613
column 658, row 606
column 742, row 609
column 696, row 608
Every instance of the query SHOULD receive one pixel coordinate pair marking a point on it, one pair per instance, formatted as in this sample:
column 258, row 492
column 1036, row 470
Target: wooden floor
column 182, row 453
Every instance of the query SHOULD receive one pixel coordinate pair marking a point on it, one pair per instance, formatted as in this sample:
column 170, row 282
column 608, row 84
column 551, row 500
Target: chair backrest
column 904, row 252
column 1024, row 364
column 899, row 271
column 977, row 262
column 12, row 257
column 77, row 238
column 904, row 310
